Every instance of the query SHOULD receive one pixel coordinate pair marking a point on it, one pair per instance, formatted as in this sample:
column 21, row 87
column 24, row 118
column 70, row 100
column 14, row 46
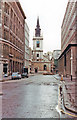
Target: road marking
column 67, row 113
column 63, row 110
column 59, row 102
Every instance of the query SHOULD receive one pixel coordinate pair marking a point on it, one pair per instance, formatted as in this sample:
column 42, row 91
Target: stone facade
column 38, row 44
column 30, row 59
column 68, row 58
column 26, row 62
column 12, row 37
column 39, row 67
column 40, row 63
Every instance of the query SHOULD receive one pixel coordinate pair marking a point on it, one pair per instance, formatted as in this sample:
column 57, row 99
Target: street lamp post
column 71, row 63
column 72, row 29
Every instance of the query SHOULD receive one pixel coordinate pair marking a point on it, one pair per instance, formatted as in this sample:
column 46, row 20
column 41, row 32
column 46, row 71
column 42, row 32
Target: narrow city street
column 38, row 59
column 35, row 97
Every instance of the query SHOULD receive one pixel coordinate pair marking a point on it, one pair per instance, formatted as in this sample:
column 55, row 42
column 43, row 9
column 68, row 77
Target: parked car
column 16, row 75
column 24, row 75
column 6, row 75
column 19, row 75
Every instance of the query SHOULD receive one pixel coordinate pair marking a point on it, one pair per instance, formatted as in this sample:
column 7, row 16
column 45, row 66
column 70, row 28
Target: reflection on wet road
column 35, row 97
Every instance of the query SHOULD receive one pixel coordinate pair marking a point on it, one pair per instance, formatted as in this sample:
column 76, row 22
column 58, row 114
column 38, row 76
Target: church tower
column 38, row 43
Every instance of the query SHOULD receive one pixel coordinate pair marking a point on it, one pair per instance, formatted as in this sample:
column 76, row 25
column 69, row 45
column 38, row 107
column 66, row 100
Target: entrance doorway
column 25, row 70
column 5, row 68
column 45, row 67
column 36, row 70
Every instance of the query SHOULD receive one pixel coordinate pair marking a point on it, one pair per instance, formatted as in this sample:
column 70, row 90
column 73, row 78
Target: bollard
column 61, row 77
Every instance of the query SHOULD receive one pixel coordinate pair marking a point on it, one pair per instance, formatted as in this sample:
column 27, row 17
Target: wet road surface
column 33, row 97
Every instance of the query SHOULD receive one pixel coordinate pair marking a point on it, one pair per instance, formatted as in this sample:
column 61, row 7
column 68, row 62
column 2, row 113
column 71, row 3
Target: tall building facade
column 30, row 59
column 12, row 37
column 56, row 55
column 39, row 62
column 26, row 62
column 68, row 58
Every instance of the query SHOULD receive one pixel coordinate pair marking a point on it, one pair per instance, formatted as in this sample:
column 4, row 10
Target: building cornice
column 37, row 38
column 67, row 48
column 19, row 5
column 40, row 62
column 11, row 44
column 37, row 50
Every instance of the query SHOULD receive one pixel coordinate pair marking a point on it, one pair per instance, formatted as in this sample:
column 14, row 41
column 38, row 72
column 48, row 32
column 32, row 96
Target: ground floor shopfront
column 68, row 61
column 8, row 66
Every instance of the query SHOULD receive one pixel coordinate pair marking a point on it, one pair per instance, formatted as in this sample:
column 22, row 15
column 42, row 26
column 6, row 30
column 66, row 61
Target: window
column 6, row 21
column 38, row 43
column 0, row 17
column 11, row 38
column 14, row 28
column 6, row 35
column 14, row 17
column 6, row 8
column 11, row 13
column 37, row 55
column 0, row 4
column 11, row 25
column 5, row 66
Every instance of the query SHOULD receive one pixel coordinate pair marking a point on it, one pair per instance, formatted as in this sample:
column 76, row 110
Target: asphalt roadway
column 33, row 97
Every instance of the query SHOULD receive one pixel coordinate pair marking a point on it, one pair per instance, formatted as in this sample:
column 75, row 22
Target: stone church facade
column 40, row 63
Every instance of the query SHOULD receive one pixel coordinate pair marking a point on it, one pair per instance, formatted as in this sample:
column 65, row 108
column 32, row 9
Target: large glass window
column 38, row 43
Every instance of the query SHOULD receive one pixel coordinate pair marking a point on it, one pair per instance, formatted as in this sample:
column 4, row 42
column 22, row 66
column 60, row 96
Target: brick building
column 12, row 37
column 68, row 58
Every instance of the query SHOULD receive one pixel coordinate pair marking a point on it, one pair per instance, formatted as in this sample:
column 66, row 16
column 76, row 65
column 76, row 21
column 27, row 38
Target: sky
column 51, row 14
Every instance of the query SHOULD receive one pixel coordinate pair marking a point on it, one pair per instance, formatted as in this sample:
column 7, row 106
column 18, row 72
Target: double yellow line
column 59, row 102
column 63, row 110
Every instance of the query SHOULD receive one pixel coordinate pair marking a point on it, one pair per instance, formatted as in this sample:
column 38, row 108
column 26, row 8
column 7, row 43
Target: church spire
column 38, row 22
column 37, row 30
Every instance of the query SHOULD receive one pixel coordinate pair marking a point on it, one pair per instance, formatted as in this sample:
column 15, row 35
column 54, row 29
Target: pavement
column 9, row 78
column 69, row 91
column 6, row 79
column 70, row 95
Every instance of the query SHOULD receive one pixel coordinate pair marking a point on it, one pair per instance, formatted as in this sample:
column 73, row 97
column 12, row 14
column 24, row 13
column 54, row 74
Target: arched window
column 45, row 67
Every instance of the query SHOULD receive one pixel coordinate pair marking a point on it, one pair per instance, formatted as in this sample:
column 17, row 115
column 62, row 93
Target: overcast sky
column 51, row 14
